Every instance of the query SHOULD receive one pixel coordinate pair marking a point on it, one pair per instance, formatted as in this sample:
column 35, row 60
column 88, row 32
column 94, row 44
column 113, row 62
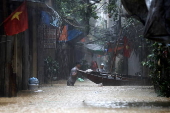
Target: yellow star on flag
column 16, row 15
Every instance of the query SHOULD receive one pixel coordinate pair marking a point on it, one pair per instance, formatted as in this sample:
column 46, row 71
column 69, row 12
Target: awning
column 95, row 48
column 71, row 36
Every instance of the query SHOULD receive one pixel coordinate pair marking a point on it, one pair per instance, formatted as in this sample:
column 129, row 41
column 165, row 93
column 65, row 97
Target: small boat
column 108, row 79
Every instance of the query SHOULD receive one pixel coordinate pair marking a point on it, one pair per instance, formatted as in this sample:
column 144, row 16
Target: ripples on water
column 87, row 98
column 128, row 104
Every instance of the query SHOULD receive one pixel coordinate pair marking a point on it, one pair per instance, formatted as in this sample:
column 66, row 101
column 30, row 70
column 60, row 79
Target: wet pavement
column 86, row 97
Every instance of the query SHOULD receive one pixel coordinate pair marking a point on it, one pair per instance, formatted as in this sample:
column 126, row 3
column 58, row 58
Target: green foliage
column 78, row 9
column 159, row 65
column 51, row 66
column 130, row 22
column 133, row 30
column 113, row 9
column 100, row 36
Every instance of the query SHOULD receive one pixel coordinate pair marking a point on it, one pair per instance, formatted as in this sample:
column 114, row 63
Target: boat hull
column 108, row 80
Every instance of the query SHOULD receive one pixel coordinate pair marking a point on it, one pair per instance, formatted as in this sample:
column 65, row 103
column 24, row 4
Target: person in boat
column 101, row 69
column 73, row 74
column 94, row 65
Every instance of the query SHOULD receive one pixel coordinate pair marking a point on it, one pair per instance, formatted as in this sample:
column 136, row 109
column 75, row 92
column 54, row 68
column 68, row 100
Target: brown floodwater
column 86, row 97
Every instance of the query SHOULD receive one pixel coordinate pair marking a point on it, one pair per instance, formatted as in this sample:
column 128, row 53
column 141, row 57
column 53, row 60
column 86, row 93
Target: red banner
column 18, row 21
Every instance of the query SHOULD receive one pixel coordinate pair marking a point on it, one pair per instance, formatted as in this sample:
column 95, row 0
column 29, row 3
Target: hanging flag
column 127, row 49
column 18, row 21
column 64, row 34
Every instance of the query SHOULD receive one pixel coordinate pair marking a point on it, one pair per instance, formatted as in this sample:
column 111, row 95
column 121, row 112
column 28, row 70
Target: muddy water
column 86, row 97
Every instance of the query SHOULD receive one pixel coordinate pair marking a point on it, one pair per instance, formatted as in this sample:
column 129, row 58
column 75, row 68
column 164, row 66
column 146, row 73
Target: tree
column 80, row 10
column 159, row 64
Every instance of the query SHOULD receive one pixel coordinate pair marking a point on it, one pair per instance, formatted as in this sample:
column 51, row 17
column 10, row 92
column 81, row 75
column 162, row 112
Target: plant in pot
column 51, row 68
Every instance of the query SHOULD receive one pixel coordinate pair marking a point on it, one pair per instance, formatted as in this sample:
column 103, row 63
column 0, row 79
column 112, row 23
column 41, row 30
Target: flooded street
column 86, row 97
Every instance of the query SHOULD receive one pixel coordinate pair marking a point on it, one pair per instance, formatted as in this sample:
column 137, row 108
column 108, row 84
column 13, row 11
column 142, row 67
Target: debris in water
column 39, row 91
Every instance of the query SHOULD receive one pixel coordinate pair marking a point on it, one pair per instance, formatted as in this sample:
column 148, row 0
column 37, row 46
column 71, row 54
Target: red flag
column 127, row 50
column 18, row 21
